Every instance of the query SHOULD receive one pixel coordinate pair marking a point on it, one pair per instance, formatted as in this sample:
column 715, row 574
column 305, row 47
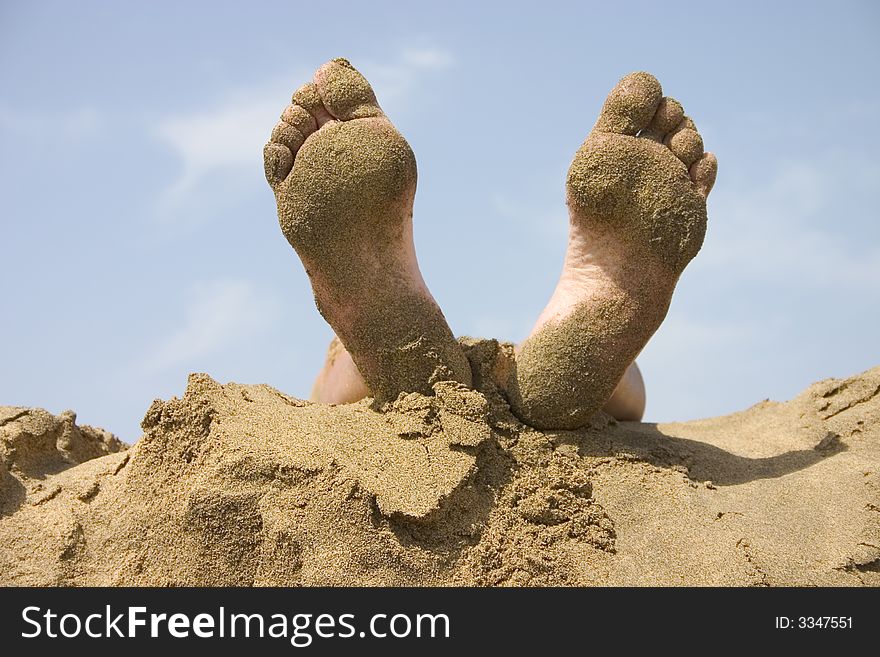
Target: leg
column 339, row 382
column 627, row 402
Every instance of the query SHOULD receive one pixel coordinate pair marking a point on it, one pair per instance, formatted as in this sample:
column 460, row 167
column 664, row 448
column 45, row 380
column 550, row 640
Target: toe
column 667, row 117
column 703, row 173
column 685, row 142
column 300, row 119
column 345, row 92
column 309, row 99
column 631, row 105
column 687, row 146
column 277, row 162
column 284, row 133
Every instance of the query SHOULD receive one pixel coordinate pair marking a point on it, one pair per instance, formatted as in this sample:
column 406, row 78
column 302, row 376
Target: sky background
column 140, row 242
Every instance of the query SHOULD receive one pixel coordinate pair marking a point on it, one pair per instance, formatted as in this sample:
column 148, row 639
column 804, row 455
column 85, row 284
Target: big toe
column 631, row 104
column 345, row 92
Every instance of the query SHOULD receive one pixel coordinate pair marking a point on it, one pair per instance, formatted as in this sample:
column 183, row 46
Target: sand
column 243, row 485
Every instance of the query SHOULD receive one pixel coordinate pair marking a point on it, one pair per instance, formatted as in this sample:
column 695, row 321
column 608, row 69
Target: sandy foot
column 636, row 193
column 344, row 180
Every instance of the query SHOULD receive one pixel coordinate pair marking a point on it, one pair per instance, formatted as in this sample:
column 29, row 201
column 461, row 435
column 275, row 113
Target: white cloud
column 74, row 124
column 791, row 227
column 427, row 58
column 393, row 81
column 230, row 134
column 218, row 313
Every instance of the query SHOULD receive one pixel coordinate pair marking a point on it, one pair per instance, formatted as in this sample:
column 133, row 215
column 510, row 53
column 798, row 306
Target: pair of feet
column 344, row 180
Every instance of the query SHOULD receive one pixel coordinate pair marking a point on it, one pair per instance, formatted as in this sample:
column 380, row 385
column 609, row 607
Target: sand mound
column 241, row 484
column 34, row 444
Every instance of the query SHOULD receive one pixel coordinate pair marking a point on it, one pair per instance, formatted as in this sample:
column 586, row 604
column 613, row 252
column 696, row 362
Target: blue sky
column 140, row 242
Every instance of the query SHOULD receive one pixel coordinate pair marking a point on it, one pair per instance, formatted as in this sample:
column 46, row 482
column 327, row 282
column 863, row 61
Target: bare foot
column 636, row 194
column 344, row 180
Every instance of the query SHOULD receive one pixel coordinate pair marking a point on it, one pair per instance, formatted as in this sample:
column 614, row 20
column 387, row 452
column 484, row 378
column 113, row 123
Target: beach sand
column 243, row 485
